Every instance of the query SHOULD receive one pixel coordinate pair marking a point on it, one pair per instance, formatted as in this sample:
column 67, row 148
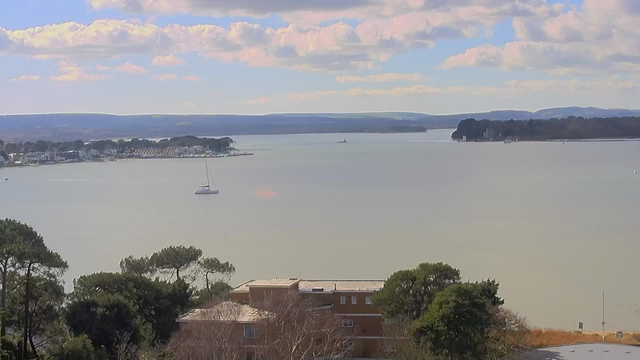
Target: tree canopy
column 27, row 262
column 140, row 266
column 176, row 259
column 77, row 348
column 153, row 302
column 410, row 292
column 457, row 323
column 103, row 319
column 432, row 313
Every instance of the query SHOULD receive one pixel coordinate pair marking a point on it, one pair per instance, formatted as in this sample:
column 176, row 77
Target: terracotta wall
column 348, row 308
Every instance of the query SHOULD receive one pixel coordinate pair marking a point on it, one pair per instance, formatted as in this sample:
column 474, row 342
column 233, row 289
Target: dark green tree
column 34, row 259
column 141, row 266
column 27, row 147
column 408, row 293
column 77, row 348
column 46, row 308
column 154, row 302
column 176, row 259
column 9, row 245
column 457, row 323
column 217, row 291
column 78, row 144
column 40, row 146
column 211, row 268
column 11, row 148
column 103, row 319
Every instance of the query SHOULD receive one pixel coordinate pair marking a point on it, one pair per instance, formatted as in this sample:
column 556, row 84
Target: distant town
column 43, row 153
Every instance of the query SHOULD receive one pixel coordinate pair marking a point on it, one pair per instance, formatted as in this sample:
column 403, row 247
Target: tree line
column 567, row 128
column 106, row 313
column 119, row 145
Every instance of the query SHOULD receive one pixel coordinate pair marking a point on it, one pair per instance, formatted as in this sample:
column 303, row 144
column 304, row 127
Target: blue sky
column 264, row 56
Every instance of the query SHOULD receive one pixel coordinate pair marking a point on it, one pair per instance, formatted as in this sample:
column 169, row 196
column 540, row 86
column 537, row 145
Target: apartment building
column 350, row 300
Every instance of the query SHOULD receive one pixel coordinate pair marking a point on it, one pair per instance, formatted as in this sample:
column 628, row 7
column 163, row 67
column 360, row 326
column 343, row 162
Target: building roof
column 273, row 283
column 326, row 286
column 585, row 352
column 276, row 283
column 340, row 285
column 227, row 311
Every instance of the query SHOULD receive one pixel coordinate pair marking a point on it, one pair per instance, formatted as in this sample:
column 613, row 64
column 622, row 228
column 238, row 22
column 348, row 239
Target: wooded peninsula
column 570, row 128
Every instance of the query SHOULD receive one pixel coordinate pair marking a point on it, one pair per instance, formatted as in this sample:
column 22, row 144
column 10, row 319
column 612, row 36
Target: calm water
column 555, row 224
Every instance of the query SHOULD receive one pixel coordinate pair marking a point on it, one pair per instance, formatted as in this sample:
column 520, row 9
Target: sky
column 275, row 56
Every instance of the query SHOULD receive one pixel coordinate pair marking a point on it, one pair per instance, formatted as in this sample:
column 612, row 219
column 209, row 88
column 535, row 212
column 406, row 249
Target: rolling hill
column 97, row 126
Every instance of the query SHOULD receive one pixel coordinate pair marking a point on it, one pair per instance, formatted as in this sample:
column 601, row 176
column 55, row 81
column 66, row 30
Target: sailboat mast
column 206, row 167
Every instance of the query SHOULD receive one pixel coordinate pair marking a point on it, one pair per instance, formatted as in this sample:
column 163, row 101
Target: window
column 250, row 331
column 347, row 323
column 354, row 300
column 343, row 300
column 347, row 345
column 368, row 300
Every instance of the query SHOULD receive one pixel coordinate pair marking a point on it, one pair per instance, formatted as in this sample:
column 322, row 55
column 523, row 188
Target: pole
column 603, row 316
column 573, row 316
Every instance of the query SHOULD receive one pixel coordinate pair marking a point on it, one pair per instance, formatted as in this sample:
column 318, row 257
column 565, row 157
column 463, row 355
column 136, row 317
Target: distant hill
column 99, row 126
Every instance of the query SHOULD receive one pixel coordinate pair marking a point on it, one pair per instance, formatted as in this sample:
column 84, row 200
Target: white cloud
column 594, row 37
column 359, row 91
column 168, row 60
column 165, row 77
column 191, row 78
column 25, row 78
column 572, row 85
column 71, row 72
column 386, row 27
column 130, row 68
column 386, row 77
column 508, row 89
column 259, row 100
column 127, row 67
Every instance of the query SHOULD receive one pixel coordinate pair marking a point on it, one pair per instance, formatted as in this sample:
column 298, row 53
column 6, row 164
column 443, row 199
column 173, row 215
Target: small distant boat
column 508, row 141
column 6, row 178
column 206, row 189
column 343, row 141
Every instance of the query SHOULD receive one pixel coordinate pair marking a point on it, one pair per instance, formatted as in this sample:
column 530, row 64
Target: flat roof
column 585, row 352
column 327, row 286
column 340, row 285
column 227, row 311
column 244, row 287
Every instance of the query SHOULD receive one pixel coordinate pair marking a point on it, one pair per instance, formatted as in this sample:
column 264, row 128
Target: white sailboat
column 206, row 189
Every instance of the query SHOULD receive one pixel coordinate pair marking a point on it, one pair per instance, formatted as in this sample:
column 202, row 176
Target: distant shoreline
column 593, row 140
column 554, row 140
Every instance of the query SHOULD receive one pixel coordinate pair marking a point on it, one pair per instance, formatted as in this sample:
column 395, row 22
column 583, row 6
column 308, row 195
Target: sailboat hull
column 206, row 192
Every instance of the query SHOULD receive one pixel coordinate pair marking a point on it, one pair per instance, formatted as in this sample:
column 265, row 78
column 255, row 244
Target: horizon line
column 311, row 113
